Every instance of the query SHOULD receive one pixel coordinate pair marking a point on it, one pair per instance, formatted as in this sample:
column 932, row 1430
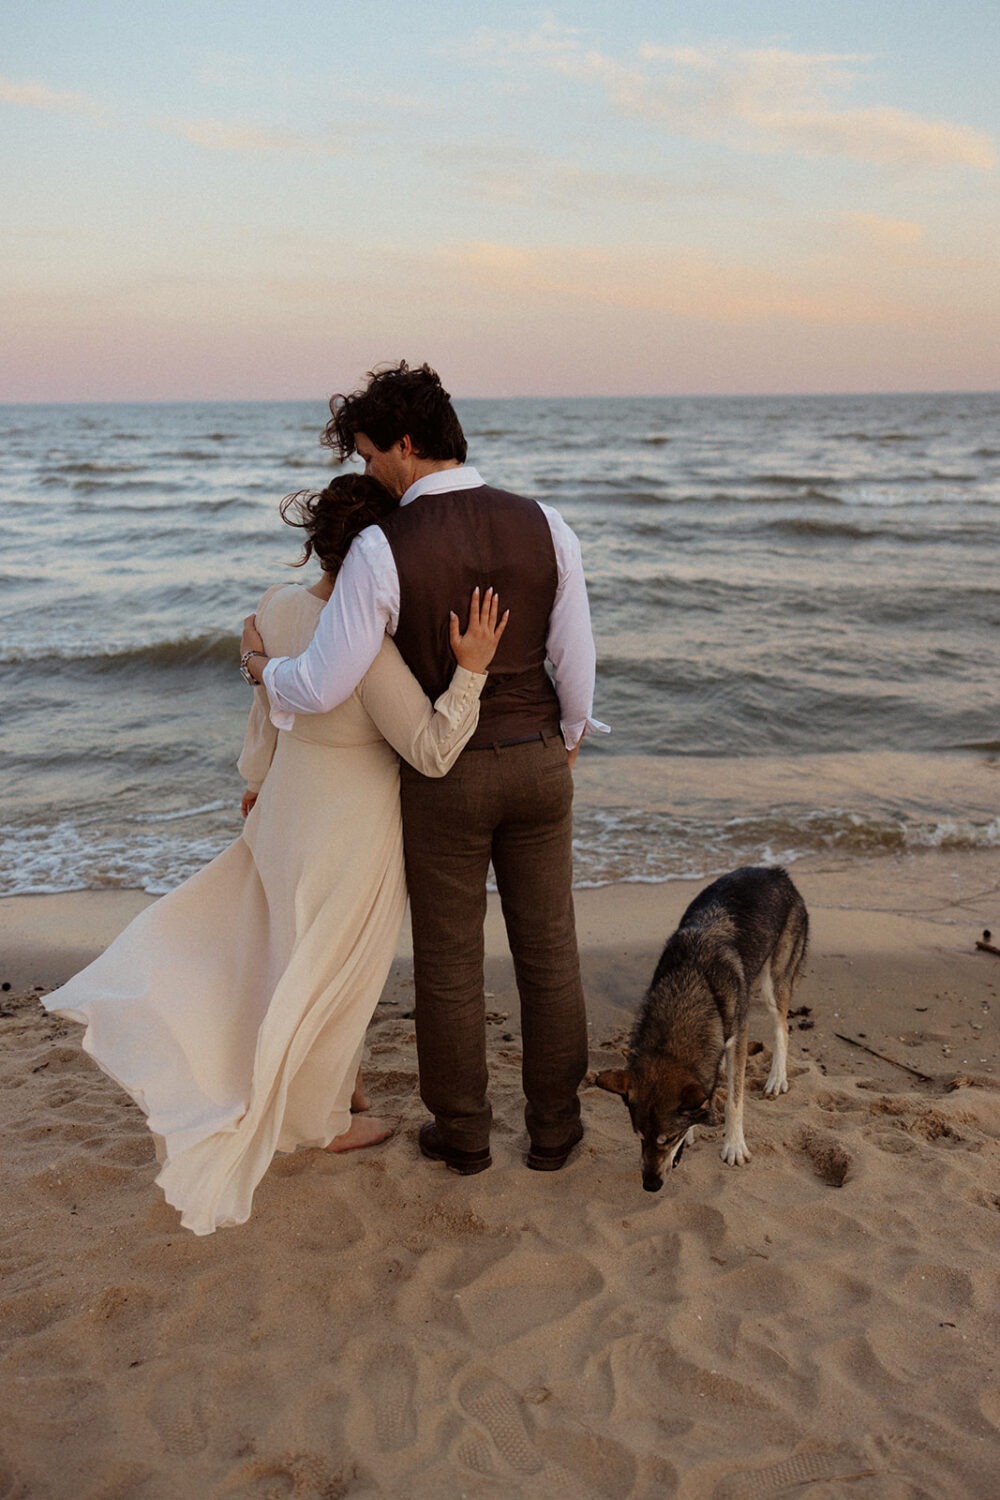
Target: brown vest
column 444, row 545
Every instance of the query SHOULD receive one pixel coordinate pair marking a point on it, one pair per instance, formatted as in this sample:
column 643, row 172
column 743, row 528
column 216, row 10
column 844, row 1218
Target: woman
column 234, row 1009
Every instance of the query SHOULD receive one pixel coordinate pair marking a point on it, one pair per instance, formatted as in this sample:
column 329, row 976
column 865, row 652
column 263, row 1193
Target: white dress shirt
column 365, row 605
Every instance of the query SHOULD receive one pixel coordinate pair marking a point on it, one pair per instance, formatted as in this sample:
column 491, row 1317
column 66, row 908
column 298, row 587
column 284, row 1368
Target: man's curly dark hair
column 331, row 518
column 398, row 402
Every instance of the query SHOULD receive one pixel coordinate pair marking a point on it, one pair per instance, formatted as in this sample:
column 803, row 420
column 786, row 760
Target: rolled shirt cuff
column 573, row 733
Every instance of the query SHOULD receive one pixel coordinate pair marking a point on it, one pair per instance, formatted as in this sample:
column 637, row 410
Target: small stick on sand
column 884, row 1057
column 985, row 944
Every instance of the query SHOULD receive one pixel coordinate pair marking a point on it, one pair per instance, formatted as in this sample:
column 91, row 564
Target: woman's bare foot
column 368, row 1132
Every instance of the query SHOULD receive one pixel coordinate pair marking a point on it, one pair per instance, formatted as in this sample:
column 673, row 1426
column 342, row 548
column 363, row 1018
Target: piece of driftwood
column 985, row 944
column 884, row 1057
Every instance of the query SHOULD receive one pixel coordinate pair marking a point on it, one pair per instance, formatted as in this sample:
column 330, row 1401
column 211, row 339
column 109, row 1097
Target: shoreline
column 638, row 818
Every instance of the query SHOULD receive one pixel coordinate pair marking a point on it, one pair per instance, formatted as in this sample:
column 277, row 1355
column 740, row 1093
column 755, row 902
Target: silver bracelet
column 245, row 669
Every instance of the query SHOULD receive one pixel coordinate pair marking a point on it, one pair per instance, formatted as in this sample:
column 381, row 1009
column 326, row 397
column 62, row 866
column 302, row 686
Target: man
column 509, row 797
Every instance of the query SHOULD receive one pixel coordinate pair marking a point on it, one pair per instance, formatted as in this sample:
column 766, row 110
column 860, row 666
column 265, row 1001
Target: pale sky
column 261, row 200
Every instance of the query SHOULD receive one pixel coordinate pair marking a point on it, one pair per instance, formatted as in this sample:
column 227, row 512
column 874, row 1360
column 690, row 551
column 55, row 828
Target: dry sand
column 820, row 1323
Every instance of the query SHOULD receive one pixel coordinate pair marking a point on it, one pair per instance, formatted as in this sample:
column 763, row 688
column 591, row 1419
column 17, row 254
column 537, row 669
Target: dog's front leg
column 734, row 1146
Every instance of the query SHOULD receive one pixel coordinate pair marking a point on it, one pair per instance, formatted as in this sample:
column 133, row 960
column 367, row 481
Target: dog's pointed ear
column 693, row 1098
column 615, row 1080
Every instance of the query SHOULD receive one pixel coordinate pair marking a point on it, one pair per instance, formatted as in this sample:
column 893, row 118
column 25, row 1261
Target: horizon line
column 776, row 395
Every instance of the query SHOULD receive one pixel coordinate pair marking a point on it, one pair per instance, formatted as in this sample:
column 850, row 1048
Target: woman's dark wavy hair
column 333, row 517
column 398, row 402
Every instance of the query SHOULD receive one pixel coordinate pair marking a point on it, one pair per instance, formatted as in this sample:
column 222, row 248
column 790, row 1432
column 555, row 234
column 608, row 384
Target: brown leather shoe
column 467, row 1163
column 551, row 1158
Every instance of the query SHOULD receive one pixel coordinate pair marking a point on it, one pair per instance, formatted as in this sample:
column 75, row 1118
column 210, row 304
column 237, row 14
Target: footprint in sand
column 801, row 1468
column 503, row 1297
column 587, row 1467
column 641, row 1368
column 476, row 1454
column 301, row 1476
column 390, row 1382
column 30, row 1312
column 176, row 1412
column 495, row 1408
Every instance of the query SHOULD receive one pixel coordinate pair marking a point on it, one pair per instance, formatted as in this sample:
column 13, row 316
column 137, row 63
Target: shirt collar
column 443, row 481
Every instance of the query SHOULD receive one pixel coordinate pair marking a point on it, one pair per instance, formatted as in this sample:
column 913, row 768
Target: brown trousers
column 513, row 805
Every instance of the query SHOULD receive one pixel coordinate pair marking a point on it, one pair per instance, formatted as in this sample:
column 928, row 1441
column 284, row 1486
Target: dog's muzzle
column 652, row 1176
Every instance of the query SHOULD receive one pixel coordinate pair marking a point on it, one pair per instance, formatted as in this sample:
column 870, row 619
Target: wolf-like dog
column 750, row 928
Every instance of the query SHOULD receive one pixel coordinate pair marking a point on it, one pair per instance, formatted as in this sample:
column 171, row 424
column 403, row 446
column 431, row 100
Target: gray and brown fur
column 746, row 931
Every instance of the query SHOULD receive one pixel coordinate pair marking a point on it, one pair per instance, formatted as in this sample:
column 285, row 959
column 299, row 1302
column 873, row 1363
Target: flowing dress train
column 234, row 1009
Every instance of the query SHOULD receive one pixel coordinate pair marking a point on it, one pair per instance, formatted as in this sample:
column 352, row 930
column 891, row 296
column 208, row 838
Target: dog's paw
column 776, row 1084
column 735, row 1153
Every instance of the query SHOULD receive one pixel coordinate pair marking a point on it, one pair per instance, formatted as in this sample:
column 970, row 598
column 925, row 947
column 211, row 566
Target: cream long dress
column 234, row 1009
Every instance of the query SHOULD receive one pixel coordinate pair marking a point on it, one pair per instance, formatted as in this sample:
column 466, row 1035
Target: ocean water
column 794, row 601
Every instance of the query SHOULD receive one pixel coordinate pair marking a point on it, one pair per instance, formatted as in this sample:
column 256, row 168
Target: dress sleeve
column 261, row 737
column 258, row 743
column 430, row 738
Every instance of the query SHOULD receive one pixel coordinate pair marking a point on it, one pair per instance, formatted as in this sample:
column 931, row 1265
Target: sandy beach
column 821, row 1322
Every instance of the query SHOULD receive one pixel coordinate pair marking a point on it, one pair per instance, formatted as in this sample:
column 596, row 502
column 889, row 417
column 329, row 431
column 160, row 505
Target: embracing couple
column 287, row 938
